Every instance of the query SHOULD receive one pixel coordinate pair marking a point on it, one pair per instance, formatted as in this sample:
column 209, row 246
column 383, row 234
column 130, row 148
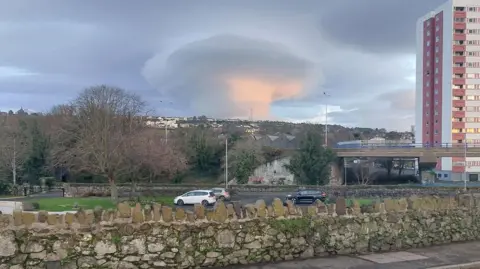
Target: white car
column 221, row 194
column 204, row 197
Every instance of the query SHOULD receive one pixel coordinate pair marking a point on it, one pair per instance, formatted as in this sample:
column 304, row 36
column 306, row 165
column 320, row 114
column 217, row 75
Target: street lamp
column 166, row 129
column 226, row 162
column 326, row 118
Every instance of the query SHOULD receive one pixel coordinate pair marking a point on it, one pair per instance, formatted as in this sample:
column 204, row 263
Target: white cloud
column 13, row 72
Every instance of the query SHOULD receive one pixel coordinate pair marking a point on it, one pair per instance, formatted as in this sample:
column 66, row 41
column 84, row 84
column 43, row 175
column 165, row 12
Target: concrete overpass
column 424, row 154
column 427, row 156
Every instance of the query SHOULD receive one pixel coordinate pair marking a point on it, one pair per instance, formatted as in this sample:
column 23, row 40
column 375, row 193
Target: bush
column 49, row 182
column 5, row 188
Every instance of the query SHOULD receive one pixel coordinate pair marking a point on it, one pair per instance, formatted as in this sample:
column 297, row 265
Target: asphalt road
column 244, row 198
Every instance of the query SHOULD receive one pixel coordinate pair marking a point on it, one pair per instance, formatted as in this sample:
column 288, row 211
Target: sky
column 348, row 62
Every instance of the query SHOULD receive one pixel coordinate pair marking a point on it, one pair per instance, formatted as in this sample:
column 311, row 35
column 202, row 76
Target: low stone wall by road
column 382, row 191
column 160, row 237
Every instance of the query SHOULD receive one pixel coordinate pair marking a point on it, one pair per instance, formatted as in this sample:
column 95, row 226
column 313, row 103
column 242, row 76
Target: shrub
column 5, row 188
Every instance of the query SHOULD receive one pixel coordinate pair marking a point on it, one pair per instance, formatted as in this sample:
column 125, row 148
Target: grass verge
column 68, row 204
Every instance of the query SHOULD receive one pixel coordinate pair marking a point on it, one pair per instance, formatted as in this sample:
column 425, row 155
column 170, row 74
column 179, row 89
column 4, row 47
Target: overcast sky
column 272, row 58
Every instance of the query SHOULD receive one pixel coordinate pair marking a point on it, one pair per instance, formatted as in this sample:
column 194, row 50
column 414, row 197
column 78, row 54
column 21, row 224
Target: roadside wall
column 160, row 237
column 382, row 191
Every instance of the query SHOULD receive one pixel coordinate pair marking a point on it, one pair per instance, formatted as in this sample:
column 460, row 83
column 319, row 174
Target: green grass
column 361, row 201
column 68, row 204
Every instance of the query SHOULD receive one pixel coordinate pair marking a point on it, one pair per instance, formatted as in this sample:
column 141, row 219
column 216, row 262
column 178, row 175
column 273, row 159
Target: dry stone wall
column 383, row 191
column 157, row 236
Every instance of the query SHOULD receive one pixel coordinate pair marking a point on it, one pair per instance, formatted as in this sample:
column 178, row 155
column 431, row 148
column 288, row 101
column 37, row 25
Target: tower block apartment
column 448, row 83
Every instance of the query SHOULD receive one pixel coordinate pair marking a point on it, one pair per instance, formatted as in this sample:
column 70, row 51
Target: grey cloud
column 385, row 26
column 356, row 50
column 393, row 110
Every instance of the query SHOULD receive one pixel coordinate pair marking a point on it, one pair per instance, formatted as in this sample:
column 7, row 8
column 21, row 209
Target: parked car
column 204, row 197
column 306, row 196
column 221, row 194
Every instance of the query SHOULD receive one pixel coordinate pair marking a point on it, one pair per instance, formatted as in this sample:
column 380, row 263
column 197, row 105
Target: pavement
column 459, row 255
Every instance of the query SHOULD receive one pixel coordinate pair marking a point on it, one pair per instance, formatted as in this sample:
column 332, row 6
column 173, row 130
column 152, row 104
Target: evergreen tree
column 311, row 163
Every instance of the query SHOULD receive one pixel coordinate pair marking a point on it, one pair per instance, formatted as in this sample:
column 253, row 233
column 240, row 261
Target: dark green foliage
column 311, row 163
column 243, row 159
column 36, row 161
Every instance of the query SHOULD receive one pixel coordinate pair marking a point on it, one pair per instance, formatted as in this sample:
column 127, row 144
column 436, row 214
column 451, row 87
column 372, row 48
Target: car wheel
column 205, row 203
column 180, row 202
column 221, row 198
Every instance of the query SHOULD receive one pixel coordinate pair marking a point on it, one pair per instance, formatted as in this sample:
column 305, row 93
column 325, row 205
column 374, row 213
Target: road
column 245, row 198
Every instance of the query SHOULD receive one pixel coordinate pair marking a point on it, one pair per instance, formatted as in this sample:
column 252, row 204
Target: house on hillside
column 280, row 141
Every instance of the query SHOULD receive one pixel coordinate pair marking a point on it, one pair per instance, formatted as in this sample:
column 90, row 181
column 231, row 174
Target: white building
column 448, row 82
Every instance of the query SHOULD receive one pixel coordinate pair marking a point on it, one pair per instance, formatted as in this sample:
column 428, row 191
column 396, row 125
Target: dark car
column 307, row 197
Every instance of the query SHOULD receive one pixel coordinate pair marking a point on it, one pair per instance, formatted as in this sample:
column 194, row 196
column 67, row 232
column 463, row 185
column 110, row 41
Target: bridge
column 425, row 153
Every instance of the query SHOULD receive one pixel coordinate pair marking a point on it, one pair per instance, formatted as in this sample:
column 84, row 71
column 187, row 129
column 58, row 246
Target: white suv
column 221, row 194
column 204, row 197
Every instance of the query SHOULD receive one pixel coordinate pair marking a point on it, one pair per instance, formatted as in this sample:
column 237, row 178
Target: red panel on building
column 458, row 114
column 459, row 59
column 458, row 92
column 460, row 25
column 457, row 136
column 428, row 81
column 459, row 70
column 460, row 37
column 458, row 81
column 458, row 103
column 438, row 98
column 459, row 48
column 458, row 169
column 459, row 14
column 458, row 124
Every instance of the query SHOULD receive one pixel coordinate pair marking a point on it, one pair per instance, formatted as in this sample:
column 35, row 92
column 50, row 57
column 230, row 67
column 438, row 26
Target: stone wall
column 88, row 189
column 162, row 237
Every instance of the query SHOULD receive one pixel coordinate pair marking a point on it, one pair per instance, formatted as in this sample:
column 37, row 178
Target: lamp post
column 326, row 117
column 226, row 162
column 166, row 126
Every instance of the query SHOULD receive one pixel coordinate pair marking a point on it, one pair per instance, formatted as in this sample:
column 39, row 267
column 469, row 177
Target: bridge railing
column 404, row 145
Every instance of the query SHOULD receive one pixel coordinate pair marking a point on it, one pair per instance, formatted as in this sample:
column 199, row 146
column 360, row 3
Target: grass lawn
column 67, row 204
column 361, row 201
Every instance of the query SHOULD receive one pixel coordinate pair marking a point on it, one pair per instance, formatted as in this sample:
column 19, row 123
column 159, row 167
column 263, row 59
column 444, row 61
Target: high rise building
column 448, row 81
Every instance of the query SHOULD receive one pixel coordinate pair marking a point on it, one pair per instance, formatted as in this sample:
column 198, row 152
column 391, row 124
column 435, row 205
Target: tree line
column 101, row 136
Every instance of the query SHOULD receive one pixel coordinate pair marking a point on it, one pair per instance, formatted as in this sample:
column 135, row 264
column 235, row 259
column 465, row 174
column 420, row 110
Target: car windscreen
column 217, row 190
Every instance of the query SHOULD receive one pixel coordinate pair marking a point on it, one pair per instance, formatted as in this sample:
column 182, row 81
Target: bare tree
column 362, row 172
column 13, row 149
column 97, row 131
column 150, row 154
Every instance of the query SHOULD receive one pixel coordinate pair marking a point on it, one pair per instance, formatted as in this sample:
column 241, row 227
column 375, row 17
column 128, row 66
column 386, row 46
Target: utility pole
column 166, row 134
column 326, row 118
column 226, row 163
column 166, row 125
column 14, row 161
